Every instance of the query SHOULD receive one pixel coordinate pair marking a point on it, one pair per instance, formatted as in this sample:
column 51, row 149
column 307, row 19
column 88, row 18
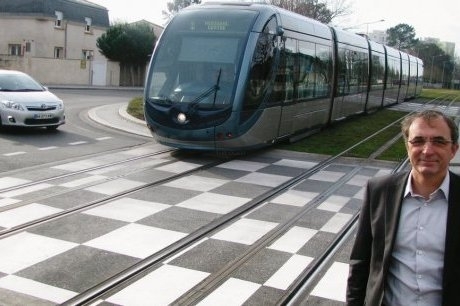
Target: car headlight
column 12, row 105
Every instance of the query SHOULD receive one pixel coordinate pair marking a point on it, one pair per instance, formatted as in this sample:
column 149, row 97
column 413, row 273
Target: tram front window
column 197, row 59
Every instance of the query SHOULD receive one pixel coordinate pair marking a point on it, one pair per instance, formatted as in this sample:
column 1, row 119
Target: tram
column 241, row 76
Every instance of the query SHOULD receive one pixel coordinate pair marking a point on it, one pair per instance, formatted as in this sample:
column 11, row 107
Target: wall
column 62, row 72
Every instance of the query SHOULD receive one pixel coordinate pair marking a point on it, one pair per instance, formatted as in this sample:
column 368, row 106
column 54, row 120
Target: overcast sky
column 438, row 19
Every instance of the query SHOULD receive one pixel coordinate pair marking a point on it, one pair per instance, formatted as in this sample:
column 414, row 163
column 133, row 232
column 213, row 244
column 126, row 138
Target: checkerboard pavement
column 50, row 263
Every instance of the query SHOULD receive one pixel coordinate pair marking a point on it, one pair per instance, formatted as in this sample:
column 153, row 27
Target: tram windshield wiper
column 213, row 89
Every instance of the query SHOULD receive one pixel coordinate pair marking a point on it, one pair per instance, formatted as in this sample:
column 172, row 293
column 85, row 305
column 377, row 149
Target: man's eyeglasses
column 435, row 141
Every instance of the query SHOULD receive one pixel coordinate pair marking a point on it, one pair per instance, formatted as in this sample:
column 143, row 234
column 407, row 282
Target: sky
column 436, row 19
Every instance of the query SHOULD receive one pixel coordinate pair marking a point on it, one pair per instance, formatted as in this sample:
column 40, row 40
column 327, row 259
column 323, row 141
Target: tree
column 439, row 65
column 324, row 11
column 131, row 45
column 177, row 5
column 401, row 36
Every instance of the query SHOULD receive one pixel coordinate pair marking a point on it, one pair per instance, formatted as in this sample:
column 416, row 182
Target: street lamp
column 432, row 62
column 366, row 24
column 443, row 68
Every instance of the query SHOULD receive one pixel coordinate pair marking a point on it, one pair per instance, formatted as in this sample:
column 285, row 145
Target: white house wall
column 43, row 37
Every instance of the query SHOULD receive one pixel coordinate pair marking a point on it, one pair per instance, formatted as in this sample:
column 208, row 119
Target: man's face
column 430, row 147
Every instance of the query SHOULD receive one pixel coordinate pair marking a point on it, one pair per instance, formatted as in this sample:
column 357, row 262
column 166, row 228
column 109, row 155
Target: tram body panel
column 393, row 77
column 376, row 77
column 352, row 68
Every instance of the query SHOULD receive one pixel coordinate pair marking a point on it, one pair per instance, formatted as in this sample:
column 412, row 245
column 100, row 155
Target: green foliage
column 127, row 43
column 136, row 108
column 314, row 9
column 401, row 36
column 341, row 135
column 177, row 5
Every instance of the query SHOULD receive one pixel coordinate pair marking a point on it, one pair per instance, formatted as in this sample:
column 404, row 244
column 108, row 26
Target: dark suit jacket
column 378, row 222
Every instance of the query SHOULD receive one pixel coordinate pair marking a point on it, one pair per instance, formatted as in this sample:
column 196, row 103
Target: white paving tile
column 295, row 198
column 115, row 186
column 7, row 182
column 161, row 287
column 382, row 172
column 336, row 223
column 8, row 201
column 198, row 183
column 179, row 167
column 140, row 151
column 293, row 240
column 214, row 203
column 334, row 203
column 243, row 165
column 333, row 284
column 327, row 176
column 264, row 179
column 360, row 194
column 285, row 275
column 245, row 231
column 23, row 214
column 225, row 294
column 25, row 190
column 78, row 165
column 83, row 181
column 127, row 209
column 138, row 240
column 36, row 289
column 25, row 249
column 358, row 180
column 295, row 163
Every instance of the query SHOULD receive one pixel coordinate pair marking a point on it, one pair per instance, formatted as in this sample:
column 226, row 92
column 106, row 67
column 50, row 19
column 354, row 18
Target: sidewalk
column 116, row 117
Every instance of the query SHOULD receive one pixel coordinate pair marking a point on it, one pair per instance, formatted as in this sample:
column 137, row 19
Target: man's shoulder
column 393, row 178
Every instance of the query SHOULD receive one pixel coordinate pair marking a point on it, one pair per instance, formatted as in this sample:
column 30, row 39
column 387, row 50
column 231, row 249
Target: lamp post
column 443, row 69
column 432, row 62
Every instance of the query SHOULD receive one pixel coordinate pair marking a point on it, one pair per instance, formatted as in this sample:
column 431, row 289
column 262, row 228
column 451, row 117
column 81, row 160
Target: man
column 407, row 247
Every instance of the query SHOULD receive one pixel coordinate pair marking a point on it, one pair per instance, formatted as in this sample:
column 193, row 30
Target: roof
column 73, row 10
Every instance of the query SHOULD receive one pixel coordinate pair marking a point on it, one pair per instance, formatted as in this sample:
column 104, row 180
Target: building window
column 58, row 52
column 88, row 22
column 59, row 17
column 28, row 46
column 15, row 49
column 87, row 54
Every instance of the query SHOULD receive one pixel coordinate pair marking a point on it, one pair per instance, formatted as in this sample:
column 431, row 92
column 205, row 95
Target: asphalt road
column 23, row 148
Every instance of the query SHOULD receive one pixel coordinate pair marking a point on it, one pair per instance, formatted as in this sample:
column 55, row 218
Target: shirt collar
column 444, row 187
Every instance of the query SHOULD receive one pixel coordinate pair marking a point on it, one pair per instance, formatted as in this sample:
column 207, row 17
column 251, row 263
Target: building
column 55, row 41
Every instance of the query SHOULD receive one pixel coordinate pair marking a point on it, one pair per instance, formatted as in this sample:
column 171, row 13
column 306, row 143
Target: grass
column 136, row 108
column 341, row 135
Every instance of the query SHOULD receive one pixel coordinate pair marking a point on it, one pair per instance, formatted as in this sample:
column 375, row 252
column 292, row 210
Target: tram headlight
column 182, row 118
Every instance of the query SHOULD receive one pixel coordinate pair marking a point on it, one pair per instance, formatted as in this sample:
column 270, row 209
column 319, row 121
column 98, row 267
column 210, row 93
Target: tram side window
column 307, row 76
column 283, row 86
column 378, row 71
column 261, row 67
column 353, row 73
column 393, row 73
column 323, row 70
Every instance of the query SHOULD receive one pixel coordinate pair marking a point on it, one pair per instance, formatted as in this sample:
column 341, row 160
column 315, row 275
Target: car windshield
column 18, row 82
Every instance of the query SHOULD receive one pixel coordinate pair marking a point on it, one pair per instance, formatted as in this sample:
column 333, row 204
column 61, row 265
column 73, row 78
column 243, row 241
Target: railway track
column 298, row 220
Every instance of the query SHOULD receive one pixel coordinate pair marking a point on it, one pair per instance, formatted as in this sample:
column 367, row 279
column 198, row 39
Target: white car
column 26, row 103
